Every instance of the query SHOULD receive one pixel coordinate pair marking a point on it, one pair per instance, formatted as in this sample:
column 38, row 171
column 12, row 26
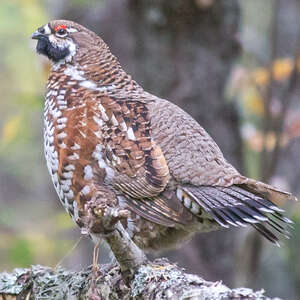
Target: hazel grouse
column 110, row 142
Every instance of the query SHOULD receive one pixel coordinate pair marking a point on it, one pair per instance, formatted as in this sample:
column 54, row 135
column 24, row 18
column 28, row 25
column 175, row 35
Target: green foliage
column 21, row 86
column 85, row 3
column 22, row 80
column 21, row 253
column 293, row 250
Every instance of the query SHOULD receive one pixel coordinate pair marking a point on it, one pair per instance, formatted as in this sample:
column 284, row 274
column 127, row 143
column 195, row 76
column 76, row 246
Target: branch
column 156, row 280
column 105, row 223
column 132, row 278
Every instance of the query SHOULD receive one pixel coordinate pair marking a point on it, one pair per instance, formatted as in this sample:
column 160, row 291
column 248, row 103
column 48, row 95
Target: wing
column 164, row 209
column 207, row 181
column 191, row 154
column 140, row 169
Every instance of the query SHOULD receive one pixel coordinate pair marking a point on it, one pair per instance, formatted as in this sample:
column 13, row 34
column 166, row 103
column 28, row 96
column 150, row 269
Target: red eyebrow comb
column 60, row 27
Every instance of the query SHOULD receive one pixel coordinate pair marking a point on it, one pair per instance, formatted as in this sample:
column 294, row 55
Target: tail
column 242, row 205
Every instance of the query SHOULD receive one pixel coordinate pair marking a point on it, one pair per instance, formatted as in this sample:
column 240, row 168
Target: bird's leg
column 93, row 293
column 129, row 256
column 95, row 258
column 106, row 221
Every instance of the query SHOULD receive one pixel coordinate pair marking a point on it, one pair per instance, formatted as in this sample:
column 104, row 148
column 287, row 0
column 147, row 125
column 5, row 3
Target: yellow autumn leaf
column 282, row 68
column 261, row 76
column 10, row 129
column 253, row 102
column 255, row 142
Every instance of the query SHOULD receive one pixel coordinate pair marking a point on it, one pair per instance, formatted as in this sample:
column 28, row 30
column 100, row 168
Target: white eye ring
column 61, row 32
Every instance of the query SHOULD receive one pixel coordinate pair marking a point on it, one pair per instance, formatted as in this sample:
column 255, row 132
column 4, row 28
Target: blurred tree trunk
column 278, row 165
column 182, row 50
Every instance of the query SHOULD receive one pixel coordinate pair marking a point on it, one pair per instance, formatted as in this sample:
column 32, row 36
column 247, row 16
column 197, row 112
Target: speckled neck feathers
column 97, row 67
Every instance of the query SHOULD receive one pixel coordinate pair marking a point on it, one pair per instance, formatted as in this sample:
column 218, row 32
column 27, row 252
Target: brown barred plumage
column 110, row 143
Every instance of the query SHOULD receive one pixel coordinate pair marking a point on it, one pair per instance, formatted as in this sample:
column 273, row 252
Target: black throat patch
column 54, row 53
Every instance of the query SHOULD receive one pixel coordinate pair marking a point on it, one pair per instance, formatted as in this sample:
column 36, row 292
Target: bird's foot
column 106, row 268
column 103, row 218
column 112, row 215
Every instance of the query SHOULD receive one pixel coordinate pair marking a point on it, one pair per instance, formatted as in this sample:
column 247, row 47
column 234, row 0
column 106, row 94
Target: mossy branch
column 133, row 278
column 155, row 280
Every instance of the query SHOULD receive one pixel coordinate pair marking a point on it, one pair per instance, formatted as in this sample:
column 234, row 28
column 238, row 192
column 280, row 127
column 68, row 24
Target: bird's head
column 60, row 40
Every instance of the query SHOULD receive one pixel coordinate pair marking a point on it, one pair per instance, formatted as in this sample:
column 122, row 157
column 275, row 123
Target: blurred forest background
column 234, row 65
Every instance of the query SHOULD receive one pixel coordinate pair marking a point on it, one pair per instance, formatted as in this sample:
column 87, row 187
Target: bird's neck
column 98, row 69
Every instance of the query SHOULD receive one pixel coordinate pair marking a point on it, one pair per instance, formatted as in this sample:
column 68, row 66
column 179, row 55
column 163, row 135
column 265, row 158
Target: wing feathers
column 164, row 209
column 148, row 212
column 237, row 206
column 228, row 206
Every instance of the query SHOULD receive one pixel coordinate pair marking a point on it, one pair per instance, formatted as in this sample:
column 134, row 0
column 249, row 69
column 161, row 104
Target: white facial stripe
column 47, row 29
column 71, row 30
column 52, row 39
column 72, row 48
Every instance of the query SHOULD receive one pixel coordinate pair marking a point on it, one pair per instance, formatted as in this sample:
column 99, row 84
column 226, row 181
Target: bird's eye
column 61, row 31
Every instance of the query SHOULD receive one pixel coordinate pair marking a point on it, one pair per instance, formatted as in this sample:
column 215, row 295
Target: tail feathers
column 273, row 194
column 237, row 206
column 269, row 235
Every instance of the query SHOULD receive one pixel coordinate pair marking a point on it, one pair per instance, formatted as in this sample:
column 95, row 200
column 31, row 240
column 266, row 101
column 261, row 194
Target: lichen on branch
column 155, row 280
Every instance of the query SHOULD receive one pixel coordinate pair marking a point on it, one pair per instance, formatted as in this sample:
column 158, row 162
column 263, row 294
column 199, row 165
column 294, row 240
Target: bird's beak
column 37, row 35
